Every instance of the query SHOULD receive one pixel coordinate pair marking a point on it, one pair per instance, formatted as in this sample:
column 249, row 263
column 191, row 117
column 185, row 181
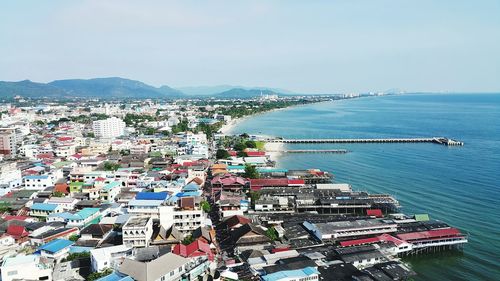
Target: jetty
column 340, row 151
column 437, row 140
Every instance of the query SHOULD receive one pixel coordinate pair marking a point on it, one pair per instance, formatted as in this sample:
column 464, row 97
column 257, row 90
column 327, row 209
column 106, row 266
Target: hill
column 113, row 87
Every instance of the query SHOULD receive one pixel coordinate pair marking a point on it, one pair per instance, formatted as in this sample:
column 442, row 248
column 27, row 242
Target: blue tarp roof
column 115, row 277
column 151, row 196
column 43, row 207
column 56, row 245
column 191, row 187
column 290, row 274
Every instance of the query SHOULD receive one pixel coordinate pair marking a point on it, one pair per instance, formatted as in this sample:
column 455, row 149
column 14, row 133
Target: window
column 11, row 273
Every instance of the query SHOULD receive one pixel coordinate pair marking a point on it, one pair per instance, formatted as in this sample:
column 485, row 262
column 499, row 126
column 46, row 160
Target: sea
column 458, row 185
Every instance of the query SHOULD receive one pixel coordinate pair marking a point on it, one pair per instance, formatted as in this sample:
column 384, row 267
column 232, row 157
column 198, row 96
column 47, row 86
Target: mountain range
column 116, row 87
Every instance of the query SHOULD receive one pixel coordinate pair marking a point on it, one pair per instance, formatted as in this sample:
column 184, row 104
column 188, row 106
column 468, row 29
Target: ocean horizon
column 457, row 185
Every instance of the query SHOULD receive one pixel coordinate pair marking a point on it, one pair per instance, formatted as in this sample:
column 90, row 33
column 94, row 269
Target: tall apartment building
column 110, row 128
column 8, row 141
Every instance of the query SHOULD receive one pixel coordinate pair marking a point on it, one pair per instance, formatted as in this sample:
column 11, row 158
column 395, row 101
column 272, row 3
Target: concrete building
column 137, row 231
column 8, row 141
column 110, row 128
column 30, row 267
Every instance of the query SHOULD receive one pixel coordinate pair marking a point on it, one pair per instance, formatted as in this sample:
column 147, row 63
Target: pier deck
column 437, row 140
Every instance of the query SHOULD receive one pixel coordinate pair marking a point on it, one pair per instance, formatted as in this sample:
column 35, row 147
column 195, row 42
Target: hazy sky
column 305, row 46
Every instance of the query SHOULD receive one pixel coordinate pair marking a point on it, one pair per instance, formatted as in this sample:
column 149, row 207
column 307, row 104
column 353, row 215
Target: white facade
column 110, row 128
column 184, row 220
column 137, row 231
column 109, row 257
column 10, row 177
column 25, row 268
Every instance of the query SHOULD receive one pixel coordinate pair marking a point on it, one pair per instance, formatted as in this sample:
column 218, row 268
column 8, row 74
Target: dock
column 340, row 151
column 436, row 140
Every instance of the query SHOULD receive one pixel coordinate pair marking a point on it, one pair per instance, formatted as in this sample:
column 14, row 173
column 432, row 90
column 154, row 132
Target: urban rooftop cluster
column 151, row 190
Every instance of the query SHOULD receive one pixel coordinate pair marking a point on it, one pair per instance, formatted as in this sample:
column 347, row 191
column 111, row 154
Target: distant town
column 161, row 190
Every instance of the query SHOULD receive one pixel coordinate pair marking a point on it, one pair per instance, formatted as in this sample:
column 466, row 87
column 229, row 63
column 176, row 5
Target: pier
column 340, row 151
column 437, row 140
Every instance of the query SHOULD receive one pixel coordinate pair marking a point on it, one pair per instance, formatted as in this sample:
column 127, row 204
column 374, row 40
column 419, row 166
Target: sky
column 304, row 46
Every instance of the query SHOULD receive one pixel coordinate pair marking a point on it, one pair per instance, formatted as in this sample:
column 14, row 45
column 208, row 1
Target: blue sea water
column 458, row 185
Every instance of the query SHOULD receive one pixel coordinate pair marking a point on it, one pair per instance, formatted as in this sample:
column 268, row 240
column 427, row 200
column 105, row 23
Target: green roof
column 421, row 217
column 111, row 185
column 61, row 164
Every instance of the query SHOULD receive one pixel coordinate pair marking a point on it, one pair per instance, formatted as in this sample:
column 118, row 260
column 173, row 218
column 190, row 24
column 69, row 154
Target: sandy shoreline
column 274, row 150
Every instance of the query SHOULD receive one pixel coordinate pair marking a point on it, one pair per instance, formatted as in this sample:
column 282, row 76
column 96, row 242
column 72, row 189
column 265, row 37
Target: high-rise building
column 8, row 141
column 110, row 128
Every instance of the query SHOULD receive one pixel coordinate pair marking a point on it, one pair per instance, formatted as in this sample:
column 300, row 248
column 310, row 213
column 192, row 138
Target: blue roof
column 111, row 185
column 188, row 194
column 290, row 274
column 56, row 245
column 271, row 170
column 235, row 167
column 191, row 187
column 80, row 215
column 80, row 249
column 43, row 207
column 151, row 196
column 36, row 177
column 115, row 277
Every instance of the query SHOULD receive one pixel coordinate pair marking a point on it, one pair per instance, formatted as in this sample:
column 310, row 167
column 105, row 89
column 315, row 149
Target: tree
column 272, row 234
column 241, row 154
column 96, row 275
column 58, row 194
column 75, row 256
column 254, row 196
column 239, row 146
column 110, row 166
column 205, row 206
column 222, row 154
column 251, row 144
column 74, row 237
column 187, row 240
column 244, row 135
column 251, row 172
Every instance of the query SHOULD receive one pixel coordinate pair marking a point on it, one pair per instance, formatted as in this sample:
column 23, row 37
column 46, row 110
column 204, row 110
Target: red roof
column 296, row 182
column 17, row 231
column 227, row 180
column 61, row 187
column 195, row 249
column 382, row 238
column 19, row 218
column 45, row 156
column 374, row 212
column 276, row 182
column 255, row 153
column 64, row 138
column 284, row 249
column 356, row 242
column 235, row 220
column 422, row 235
column 233, row 153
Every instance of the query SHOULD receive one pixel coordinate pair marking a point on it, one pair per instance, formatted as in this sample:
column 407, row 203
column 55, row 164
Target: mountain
column 27, row 88
column 113, row 87
column 213, row 90
column 244, row 93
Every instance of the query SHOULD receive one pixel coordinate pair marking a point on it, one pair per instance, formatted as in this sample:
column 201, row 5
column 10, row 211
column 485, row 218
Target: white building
column 10, row 177
column 184, row 220
column 38, row 182
column 25, row 268
column 109, row 257
column 110, row 128
column 137, row 231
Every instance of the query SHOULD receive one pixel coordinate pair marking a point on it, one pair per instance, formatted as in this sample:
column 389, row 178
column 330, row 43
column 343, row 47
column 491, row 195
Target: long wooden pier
column 437, row 140
column 340, row 151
